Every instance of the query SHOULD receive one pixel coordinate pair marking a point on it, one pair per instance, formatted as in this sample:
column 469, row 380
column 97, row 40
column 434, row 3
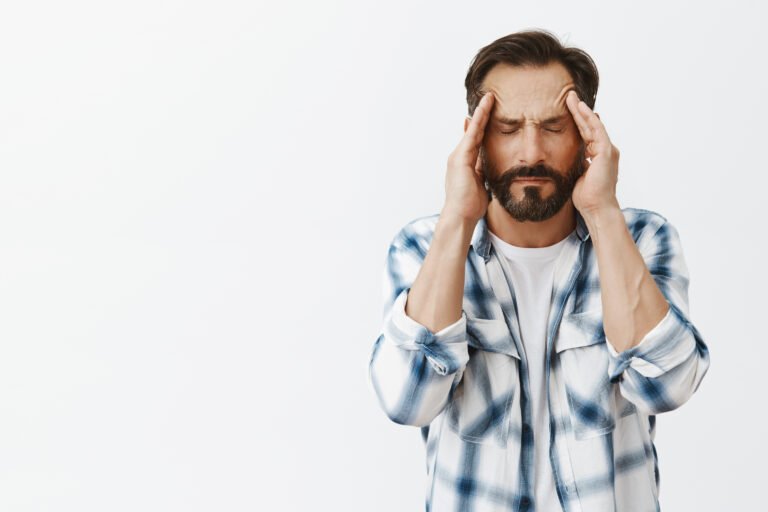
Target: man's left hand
column 596, row 188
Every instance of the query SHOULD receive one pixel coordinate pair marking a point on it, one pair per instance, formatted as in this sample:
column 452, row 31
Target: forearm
column 435, row 298
column 418, row 357
column 632, row 301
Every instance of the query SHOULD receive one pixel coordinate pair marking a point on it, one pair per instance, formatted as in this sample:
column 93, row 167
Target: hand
column 465, row 193
column 596, row 188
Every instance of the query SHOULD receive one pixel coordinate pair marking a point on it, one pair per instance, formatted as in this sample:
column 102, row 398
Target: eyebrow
column 514, row 122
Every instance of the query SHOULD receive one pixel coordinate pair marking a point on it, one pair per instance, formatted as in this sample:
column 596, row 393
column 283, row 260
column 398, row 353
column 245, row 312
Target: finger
column 573, row 102
column 479, row 164
column 595, row 124
column 478, row 121
column 476, row 129
column 479, row 170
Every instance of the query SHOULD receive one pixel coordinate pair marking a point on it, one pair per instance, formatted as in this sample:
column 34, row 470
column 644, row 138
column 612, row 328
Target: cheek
column 500, row 146
column 569, row 143
column 574, row 135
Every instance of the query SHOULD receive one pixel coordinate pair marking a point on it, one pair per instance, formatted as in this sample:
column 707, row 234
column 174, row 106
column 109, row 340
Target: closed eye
column 551, row 130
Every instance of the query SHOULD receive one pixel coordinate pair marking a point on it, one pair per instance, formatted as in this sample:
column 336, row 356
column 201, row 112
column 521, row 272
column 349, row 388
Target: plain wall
column 196, row 199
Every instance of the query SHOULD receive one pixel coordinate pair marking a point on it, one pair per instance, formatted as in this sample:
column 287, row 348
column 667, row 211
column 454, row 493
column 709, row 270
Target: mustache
column 524, row 171
column 540, row 170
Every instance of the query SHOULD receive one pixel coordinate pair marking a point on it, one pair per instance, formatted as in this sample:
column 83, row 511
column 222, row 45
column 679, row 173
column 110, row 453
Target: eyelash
column 514, row 131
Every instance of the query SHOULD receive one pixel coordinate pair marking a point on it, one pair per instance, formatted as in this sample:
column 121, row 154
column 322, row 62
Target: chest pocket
column 583, row 355
column 485, row 404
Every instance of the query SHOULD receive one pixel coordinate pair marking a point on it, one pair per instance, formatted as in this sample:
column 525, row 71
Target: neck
column 531, row 234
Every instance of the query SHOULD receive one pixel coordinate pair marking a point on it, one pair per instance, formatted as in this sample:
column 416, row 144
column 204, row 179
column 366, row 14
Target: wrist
column 602, row 219
column 456, row 221
column 597, row 213
column 454, row 230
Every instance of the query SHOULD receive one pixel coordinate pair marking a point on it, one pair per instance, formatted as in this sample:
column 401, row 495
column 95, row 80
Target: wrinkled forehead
column 528, row 93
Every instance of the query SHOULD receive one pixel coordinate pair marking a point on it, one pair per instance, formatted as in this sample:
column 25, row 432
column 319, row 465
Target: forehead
column 530, row 93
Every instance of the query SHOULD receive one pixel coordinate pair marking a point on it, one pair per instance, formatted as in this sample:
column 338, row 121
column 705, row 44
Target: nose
column 533, row 148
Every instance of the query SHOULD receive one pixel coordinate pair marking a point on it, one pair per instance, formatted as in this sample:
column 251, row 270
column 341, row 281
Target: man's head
column 531, row 132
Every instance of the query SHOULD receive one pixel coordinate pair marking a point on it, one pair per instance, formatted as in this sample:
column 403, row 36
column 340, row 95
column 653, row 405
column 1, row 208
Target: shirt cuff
column 446, row 350
column 661, row 349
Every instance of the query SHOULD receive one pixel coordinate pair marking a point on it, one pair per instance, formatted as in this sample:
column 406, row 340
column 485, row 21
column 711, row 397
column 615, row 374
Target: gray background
column 196, row 199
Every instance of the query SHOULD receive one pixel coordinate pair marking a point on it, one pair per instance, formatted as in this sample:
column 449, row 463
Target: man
column 533, row 328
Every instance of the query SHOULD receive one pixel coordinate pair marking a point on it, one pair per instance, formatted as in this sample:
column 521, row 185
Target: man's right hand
column 465, row 195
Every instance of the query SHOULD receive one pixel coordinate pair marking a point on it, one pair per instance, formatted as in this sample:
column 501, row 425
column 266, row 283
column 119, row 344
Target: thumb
column 479, row 164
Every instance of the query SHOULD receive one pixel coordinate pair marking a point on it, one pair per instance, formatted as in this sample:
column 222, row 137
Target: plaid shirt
column 467, row 387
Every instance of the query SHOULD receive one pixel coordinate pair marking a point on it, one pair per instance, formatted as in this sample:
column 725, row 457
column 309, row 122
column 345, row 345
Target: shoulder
column 416, row 235
column 651, row 231
column 640, row 220
column 644, row 224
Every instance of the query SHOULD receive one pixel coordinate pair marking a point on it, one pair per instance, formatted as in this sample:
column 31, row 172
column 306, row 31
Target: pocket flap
column 580, row 329
column 491, row 335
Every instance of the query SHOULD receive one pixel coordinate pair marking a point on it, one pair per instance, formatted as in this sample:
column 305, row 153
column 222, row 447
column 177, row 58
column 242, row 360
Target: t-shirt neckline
column 529, row 253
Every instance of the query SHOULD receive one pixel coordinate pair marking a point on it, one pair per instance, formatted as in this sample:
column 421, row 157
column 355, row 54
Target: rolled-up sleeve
column 446, row 350
column 664, row 370
column 411, row 369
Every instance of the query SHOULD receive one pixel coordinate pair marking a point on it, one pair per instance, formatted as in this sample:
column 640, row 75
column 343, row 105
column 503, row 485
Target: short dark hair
column 535, row 47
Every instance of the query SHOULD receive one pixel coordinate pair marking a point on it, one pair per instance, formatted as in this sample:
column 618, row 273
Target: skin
column 632, row 302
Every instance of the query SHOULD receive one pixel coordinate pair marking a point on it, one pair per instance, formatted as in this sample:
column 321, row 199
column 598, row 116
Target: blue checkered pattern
column 466, row 386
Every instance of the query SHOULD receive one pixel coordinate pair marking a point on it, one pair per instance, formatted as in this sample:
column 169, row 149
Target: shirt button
column 525, row 501
column 569, row 488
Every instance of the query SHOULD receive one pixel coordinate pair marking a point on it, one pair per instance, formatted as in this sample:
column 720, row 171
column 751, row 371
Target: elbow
column 402, row 405
column 666, row 392
column 666, row 374
column 408, row 402
column 407, row 418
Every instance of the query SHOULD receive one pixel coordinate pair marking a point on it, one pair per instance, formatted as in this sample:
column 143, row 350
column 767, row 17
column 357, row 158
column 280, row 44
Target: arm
column 421, row 352
column 632, row 302
column 666, row 361
column 436, row 295
column 662, row 371
column 413, row 367
column 656, row 354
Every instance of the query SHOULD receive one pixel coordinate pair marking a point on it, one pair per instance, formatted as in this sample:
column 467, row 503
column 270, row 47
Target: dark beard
column 532, row 207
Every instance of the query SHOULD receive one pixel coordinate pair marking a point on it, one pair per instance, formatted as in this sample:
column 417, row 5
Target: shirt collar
column 481, row 240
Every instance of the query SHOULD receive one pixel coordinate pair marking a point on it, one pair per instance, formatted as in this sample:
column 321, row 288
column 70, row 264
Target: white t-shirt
column 531, row 270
